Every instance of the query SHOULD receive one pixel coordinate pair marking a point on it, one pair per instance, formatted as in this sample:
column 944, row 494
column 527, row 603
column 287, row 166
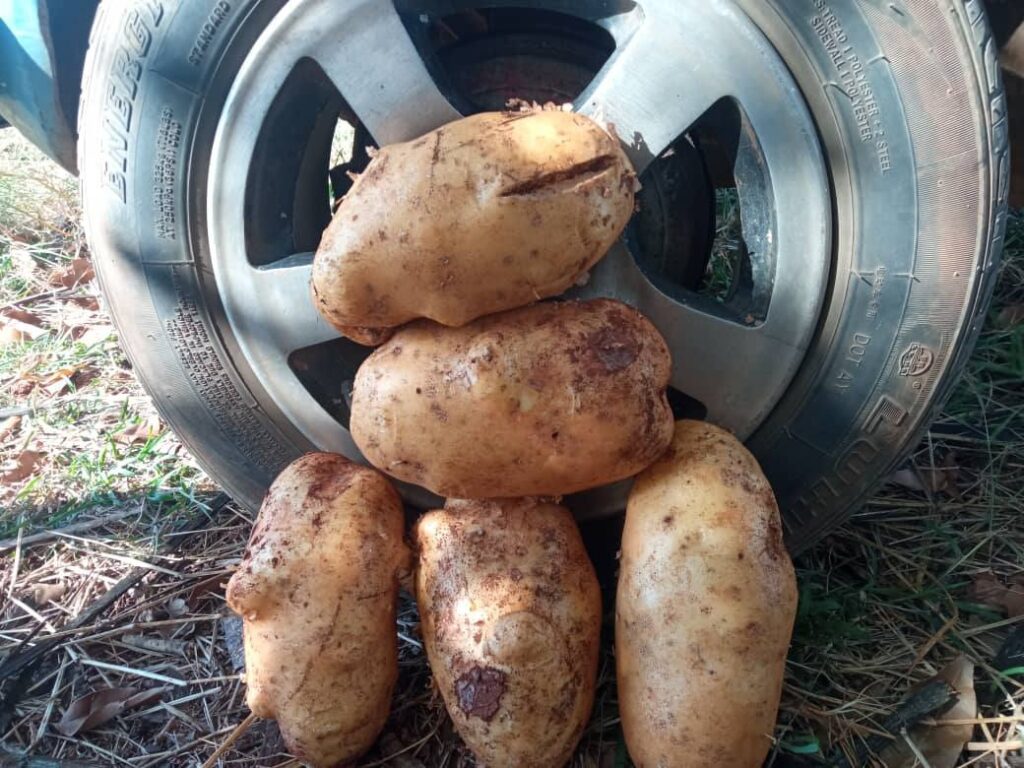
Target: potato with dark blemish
column 705, row 607
column 511, row 619
column 317, row 591
column 484, row 214
column 540, row 401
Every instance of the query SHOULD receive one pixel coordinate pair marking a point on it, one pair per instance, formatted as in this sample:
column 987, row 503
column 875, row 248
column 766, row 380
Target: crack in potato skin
column 483, row 215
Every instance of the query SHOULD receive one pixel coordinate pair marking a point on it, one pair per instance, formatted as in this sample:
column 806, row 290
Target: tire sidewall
column 156, row 75
column 917, row 160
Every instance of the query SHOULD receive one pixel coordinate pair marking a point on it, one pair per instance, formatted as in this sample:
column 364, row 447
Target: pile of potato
column 503, row 405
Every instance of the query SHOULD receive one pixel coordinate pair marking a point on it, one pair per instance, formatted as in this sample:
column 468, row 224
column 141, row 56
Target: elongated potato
column 705, row 607
column 317, row 590
column 539, row 401
column 484, row 214
column 511, row 618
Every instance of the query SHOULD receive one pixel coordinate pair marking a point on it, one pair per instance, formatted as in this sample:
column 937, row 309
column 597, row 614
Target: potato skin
column 540, row 401
column 487, row 213
column 511, row 618
column 317, row 590
column 705, row 607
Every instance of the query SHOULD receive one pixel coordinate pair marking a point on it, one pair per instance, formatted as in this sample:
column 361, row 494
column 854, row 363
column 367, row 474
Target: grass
column 67, row 393
column 726, row 249
column 885, row 602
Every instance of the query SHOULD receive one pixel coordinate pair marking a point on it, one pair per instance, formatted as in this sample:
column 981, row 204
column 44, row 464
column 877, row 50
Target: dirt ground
column 116, row 647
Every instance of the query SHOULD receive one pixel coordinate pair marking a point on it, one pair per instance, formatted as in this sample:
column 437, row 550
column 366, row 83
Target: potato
column 317, row 590
column 539, row 401
column 511, row 619
column 705, row 607
column 485, row 214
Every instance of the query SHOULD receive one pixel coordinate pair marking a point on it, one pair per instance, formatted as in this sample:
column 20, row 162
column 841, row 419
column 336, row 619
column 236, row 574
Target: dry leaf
column 24, row 466
column 11, row 335
column 20, row 324
column 42, row 594
column 987, row 588
column 90, row 303
column 1010, row 316
column 23, row 387
column 100, row 707
column 940, row 744
column 23, row 316
column 138, row 434
column 9, row 426
column 27, row 330
column 95, row 334
column 76, row 272
column 906, row 478
column 166, row 646
column 943, row 479
column 76, row 376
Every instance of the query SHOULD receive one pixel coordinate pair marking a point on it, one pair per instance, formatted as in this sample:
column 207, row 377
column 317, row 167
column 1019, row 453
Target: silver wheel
column 673, row 65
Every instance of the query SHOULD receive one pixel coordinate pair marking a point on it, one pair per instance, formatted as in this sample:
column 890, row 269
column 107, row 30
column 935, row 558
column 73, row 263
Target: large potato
column 317, row 591
column 540, row 401
column 511, row 619
column 485, row 214
column 705, row 607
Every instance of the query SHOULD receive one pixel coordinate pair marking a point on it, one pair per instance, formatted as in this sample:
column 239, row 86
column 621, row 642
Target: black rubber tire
column 909, row 103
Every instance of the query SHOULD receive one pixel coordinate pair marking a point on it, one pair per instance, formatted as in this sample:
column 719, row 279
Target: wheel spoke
column 683, row 57
column 364, row 49
column 279, row 311
column 643, row 97
column 731, row 368
column 374, row 64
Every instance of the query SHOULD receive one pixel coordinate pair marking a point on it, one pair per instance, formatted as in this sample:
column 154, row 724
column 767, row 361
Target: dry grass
column 73, row 419
column 885, row 602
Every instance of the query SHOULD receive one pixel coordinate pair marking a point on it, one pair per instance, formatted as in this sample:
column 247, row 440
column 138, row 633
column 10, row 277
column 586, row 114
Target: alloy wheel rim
column 674, row 61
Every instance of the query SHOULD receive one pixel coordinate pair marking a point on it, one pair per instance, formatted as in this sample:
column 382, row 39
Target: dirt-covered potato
column 705, row 607
column 511, row 619
column 317, row 591
column 484, row 214
column 539, row 401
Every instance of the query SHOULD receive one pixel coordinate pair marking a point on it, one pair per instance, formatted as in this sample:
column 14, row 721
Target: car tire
column 909, row 106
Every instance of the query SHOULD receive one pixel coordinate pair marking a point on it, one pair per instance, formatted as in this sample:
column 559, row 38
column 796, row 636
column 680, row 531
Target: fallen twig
column 14, row 760
column 234, row 736
column 23, row 664
column 44, row 536
column 39, row 297
column 932, row 698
